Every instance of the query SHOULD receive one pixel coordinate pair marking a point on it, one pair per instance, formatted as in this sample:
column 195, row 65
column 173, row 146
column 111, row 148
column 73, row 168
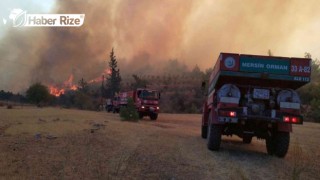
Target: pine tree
column 114, row 78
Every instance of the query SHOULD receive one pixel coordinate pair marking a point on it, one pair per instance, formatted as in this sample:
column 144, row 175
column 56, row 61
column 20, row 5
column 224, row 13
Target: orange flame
column 56, row 91
column 68, row 85
column 108, row 71
column 69, row 82
column 96, row 80
column 74, row 87
column 99, row 79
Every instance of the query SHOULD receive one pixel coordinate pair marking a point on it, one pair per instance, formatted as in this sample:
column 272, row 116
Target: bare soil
column 53, row 143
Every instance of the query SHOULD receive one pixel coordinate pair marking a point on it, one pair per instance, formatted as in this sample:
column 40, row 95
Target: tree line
column 310, row 93
column 176, row 97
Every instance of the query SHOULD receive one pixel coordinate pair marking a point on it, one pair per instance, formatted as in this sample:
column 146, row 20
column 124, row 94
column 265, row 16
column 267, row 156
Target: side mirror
column 159, row 95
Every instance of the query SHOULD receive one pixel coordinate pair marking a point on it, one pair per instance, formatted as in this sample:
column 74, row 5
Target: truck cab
column 147, row 103
column 145, row 100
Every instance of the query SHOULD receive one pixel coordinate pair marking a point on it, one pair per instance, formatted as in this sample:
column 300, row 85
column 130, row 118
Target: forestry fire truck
column 145, row 100
column 254, row 96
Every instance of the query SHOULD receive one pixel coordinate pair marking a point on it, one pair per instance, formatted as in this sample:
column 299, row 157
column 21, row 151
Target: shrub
column 38, row 93
column 315, row 110
column 129, row 113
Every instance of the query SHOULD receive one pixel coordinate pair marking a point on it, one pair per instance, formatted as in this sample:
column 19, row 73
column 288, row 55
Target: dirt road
column 53, row 143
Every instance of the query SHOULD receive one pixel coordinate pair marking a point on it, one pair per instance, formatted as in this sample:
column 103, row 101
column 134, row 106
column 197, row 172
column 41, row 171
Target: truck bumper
column 242, row 113
column 146, row 110
column 270, row 118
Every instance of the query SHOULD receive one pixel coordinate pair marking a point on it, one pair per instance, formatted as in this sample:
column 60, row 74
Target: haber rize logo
column 18, row 17
column 21, row 18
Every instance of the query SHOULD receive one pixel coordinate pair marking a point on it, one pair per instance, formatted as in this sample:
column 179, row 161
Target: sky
column 145, row 32
column 30, row 5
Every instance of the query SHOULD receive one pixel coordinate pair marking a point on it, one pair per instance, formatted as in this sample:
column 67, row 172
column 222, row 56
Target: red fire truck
column 254, row 96
column 145, row 100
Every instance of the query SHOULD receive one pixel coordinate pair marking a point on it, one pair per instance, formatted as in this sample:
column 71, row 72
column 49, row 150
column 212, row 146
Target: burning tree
column 113, row 79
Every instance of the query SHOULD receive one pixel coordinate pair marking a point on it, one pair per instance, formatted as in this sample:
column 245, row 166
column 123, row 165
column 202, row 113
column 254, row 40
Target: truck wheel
column 282, row 144
column 153, row 116
column 214, row 137
column 204, row 131
column 246, row 139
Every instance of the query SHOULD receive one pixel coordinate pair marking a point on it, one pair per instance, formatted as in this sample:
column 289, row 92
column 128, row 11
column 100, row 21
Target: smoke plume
column 145, row 34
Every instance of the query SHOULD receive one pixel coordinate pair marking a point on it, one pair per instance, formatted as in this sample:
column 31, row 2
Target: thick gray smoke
column 146, row 33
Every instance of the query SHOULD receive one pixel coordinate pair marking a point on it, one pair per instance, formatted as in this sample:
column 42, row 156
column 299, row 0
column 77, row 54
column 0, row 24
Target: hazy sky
column 144, row 31
column 33, row 6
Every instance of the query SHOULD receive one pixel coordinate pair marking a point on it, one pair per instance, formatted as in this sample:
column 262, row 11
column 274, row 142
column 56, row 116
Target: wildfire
column 74, row 87
column 96, row 80
column 99, row 79
column 68, row 84
column 56, row 91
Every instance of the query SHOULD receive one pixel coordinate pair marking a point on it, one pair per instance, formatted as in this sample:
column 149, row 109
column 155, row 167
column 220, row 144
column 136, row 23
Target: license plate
column 151, row 109
column 261, row 93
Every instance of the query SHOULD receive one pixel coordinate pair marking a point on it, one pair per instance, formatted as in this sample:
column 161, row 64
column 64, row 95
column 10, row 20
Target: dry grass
column 97, row 145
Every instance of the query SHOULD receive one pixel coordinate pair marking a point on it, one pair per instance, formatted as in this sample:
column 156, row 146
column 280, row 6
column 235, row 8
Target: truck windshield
column 145, row 94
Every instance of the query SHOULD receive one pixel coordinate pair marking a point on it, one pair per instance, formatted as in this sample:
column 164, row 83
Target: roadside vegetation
column 310, row 93
column 129, row 113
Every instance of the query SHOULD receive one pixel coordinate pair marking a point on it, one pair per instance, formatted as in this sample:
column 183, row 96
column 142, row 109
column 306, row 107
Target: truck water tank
column 228, row 90
column 288, row 95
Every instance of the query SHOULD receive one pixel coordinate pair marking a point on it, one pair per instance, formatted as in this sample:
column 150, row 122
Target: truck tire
column 278, row 144
column 214, row 136
column 153, row 116
column 246, row 139
column 204, row 131
column 282, row 144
